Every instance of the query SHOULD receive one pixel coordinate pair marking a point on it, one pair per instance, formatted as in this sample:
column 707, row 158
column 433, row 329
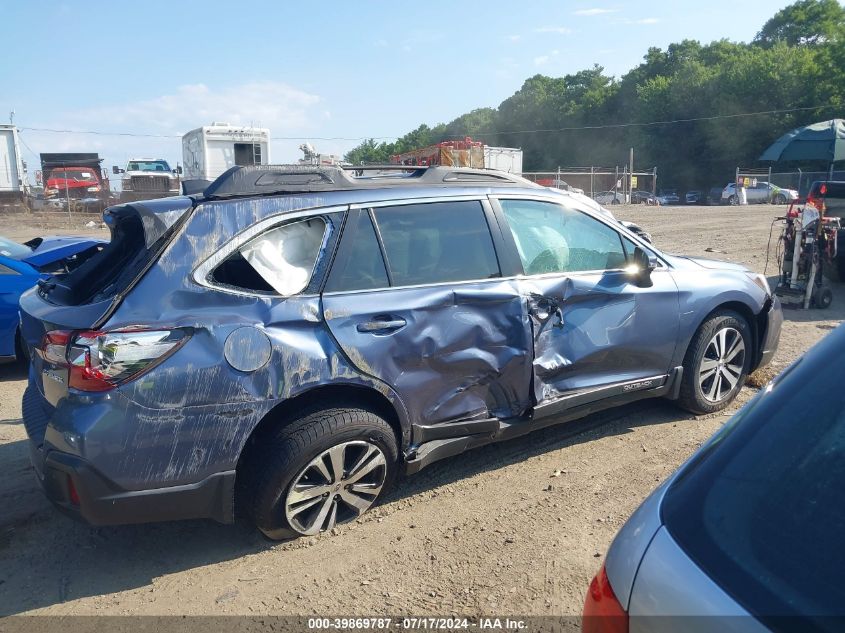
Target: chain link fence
column 596, row 180
column 801, row 181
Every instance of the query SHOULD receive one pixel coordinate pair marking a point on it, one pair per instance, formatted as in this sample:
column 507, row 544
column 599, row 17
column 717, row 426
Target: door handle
column 380, row 325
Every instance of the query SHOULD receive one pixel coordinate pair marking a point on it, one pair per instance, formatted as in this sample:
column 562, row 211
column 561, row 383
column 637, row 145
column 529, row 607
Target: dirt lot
column 516, row 528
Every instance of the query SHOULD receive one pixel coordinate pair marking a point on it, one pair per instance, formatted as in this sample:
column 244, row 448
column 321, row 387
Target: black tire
column 280, row 456
column 21, row 351
column 733, row 201
column 692, row 396
column 822, row 298
column 780, row 199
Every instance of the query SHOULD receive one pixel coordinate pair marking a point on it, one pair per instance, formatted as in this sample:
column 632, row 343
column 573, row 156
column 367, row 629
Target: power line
column 607, row 126
column 655, row 123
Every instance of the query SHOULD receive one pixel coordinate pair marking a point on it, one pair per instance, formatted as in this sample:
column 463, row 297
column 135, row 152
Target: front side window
column 280, row 260
column 551, row 238
column 437, row 242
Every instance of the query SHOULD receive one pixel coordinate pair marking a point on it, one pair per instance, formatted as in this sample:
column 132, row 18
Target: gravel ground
column 512, row 529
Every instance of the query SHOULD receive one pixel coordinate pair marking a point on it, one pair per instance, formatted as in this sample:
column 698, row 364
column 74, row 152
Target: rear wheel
column 716, row 364
column 322, row 469
column 822, row 298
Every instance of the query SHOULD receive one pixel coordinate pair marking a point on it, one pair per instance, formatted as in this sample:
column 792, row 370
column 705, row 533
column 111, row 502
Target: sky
column 331, row 73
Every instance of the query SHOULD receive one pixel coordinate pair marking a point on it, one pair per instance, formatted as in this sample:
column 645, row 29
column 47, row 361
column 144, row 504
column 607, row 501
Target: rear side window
column 437, row 242
column 280, row 260
column 762, row 510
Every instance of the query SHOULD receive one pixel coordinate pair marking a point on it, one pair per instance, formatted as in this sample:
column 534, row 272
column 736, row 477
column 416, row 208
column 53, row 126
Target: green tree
column 805, row 22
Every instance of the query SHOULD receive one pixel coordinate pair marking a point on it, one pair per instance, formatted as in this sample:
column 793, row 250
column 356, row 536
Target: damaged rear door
column 416, row 299
column 597, row 333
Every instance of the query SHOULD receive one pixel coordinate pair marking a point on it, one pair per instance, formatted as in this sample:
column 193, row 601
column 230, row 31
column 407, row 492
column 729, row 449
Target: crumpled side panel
column 600, row 330
column 463, row 352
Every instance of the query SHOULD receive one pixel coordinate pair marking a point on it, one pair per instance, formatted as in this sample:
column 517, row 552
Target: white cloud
column 646, row 21
column 284, row 109
column 594, row 11
column 562, row 30
column 272, row 104
column 514, row 38
column 380, row 43
column 542, row 60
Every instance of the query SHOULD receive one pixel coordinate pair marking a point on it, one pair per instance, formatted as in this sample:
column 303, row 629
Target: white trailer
column 504, row 158
column 13, row 178
column 210, row 150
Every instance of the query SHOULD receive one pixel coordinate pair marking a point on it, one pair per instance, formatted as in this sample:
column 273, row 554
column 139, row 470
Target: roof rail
column 262, row 180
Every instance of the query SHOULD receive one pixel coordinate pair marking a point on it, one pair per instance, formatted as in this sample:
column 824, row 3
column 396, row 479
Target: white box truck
column 505, row 158
column 13, row 178
column 210, row 150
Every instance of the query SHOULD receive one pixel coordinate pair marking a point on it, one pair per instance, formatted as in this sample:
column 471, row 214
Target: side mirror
column 642, row 265
column 178, row 169
column 115, row 169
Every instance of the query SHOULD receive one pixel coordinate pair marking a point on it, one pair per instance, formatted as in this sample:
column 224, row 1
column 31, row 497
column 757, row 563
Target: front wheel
column 780, row 199
column 716, row 364
column 733, row 201
column 325, row 468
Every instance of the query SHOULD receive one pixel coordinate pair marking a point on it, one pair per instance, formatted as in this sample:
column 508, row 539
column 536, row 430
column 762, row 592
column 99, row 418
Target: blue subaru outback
column 283, row 343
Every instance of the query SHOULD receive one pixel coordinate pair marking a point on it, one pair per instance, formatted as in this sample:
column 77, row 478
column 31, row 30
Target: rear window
column 762, row 511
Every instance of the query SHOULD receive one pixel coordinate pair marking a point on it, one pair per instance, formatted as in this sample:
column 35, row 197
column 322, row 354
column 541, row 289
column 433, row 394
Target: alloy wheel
column 722, row 364
column 337, row 486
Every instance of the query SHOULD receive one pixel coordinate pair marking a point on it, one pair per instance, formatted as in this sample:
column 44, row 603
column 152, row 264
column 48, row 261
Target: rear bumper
column 100, row 502
column 771, row 334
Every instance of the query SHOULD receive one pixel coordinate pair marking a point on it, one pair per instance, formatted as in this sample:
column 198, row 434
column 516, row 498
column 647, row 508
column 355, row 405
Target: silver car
column 747, row 535
column 761, row 193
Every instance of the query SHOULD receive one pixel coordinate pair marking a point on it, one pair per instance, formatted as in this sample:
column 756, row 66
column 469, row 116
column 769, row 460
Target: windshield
column 148, row 165
column 81, row 176
column 8, row 248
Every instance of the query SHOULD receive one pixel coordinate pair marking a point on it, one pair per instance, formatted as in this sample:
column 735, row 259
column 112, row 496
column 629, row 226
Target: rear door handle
column 379, row 325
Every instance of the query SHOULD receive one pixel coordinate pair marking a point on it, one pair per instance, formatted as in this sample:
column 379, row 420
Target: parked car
column 606, row 198
column 743, row 532
column 761, row 193
column 644, row 197
column 288, row 340
column 694, row 197
column 669, row 196
column 21, row 266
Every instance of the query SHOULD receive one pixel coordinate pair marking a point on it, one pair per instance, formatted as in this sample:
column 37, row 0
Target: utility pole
column 12, row 117
column 631, row 174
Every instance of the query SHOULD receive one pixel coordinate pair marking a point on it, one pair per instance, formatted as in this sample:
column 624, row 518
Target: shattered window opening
column 280, row 260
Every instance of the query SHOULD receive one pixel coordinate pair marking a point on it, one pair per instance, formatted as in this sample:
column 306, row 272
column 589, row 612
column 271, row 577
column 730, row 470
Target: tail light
column 603, row 613
column 100, row 361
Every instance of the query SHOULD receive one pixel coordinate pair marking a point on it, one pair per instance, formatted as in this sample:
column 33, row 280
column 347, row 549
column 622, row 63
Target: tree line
column 797, row 60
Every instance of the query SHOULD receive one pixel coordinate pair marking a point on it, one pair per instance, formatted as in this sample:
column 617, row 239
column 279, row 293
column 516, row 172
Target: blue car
column 286, row 341
column 21, row 266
